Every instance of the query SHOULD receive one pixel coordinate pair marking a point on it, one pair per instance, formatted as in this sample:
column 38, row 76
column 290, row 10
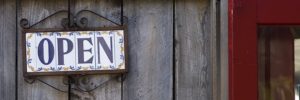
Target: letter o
column 41, row 51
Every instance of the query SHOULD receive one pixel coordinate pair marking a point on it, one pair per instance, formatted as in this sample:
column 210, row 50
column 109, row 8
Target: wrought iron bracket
column 72, row 21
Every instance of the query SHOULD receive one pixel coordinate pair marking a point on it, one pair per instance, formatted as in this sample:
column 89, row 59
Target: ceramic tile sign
column 74, row 52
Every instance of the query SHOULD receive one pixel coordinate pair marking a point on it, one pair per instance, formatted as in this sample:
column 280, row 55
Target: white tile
column 31, row 52
column 65, row 51
column 85, row 52
column 120, row 49
column 46, row 44
column 104, row 45
column 75, row 51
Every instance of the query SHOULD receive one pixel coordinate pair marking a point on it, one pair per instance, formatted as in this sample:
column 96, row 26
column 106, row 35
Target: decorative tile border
column 75, row 51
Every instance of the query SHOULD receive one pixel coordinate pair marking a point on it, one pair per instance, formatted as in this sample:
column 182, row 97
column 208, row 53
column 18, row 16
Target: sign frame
column 89, row 72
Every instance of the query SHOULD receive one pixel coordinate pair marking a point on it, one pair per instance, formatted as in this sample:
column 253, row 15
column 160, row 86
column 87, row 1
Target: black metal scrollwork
column 24, row 23
column 71, row 21
column 83, row 22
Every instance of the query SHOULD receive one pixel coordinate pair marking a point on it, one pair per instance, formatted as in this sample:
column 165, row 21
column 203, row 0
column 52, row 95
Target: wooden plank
column 214, row 48
column 193, row 50
column 34, row 11
column 111, row 90
column 150, row 26
column 216, row 54
column 8, row 50
column 224, row 50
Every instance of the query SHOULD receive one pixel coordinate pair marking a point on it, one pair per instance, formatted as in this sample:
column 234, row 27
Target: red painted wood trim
column 244, row 17
column 230, row 51
column 278, row 11
column 243, row 77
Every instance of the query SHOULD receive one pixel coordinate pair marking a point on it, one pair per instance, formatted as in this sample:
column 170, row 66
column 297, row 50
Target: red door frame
column 244, row 17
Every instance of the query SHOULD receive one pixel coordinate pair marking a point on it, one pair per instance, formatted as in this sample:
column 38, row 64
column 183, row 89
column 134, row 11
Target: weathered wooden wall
column 193, row 50
column 171, row 50
column 7, row 49
column 150, row 34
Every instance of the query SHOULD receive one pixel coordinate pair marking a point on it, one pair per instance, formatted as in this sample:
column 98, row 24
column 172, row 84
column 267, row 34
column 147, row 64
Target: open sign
column 74, row 52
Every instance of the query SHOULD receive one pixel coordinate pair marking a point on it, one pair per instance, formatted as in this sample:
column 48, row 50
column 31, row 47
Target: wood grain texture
column 111, row 90
column 8, row 50
column 34, row 11
column 215, row 41
column 150, row 31
column 110, row 9
column 193, row 50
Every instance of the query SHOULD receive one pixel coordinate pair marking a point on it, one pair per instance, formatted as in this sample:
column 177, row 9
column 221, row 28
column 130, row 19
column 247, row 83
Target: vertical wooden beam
column 34, row 11
column 215, row 48
column 193, row 38
column 8, row 50
column 150, row 26
column 224, row 50
column 111, row 89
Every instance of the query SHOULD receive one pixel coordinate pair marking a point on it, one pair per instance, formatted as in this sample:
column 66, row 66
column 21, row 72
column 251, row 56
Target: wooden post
column 224, row 50
column 8, row 50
